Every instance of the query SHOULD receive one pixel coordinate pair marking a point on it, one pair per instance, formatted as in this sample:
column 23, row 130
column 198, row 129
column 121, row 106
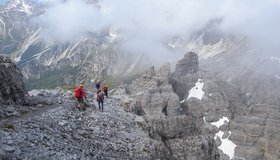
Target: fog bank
column 147, row 25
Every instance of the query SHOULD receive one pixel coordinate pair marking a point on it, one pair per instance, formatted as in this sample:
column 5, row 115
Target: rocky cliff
column 244, row 87
column 12, row 89
column 240, row 114
column 180, row 132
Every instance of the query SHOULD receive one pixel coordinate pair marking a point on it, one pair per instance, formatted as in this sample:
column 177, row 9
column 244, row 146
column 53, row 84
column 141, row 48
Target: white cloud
column 70, row 19
column 147, row 24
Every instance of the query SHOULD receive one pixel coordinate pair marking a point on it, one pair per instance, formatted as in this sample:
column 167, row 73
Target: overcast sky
column 3, row 1
column 147, row 23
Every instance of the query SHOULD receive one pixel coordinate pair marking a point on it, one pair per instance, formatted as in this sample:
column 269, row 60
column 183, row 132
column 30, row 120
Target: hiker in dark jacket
column 100, row 99
column 98, row 84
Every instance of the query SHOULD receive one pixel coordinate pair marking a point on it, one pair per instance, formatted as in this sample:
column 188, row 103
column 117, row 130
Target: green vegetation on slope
column 53, row 78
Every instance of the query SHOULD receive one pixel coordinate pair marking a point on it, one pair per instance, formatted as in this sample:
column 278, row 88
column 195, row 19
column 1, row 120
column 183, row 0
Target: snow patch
column 26, row 8
column 9, row 32
column 20, row 6
column 4, row 26
column 17, row 59
column 277, row 77
column 50, row 61
column 38, row 55
column 13, row 5
column 31, row 40
column 68, row 52
column 204, row 119
column 220, row 122
column 71, row 50
column 197, row 91
column 113, row 36
column 227, row 146
column 63, row 55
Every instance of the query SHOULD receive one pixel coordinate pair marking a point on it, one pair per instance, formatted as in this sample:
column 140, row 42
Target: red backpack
column 78, row 92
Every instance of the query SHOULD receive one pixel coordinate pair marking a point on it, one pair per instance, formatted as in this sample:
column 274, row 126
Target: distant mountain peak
column 24, row 6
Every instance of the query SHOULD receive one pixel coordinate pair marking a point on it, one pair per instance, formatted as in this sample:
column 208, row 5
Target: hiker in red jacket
column 80, row 94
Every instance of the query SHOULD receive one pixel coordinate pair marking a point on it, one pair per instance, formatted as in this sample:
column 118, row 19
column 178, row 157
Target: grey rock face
column 169, row 122
column 12, row 89
column 155, row 94
column 185, row 75
column 187, row 65
column 254, row 127
column 251, row 100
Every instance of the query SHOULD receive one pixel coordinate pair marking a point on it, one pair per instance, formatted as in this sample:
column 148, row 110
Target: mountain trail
column 61, row 131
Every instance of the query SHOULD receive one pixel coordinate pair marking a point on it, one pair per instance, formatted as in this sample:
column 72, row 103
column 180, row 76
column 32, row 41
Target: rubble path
column 63, row 132
column 32, row 112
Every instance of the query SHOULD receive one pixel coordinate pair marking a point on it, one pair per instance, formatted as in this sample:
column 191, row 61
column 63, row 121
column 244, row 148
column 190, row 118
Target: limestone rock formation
column 157, row 99
column 12, row 89
column 185, row 74
column 187, row 65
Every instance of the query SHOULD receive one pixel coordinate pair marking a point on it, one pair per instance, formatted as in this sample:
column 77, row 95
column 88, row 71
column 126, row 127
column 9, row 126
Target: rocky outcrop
column 257, row 131
column 249, row 95
column 253, row 122
column 12, row 89
column 169, row 122
column 187, row 65
column 185, row 75
column 162, row 97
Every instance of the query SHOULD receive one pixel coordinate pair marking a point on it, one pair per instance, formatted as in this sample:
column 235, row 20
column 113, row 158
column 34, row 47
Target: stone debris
column 64, row 132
